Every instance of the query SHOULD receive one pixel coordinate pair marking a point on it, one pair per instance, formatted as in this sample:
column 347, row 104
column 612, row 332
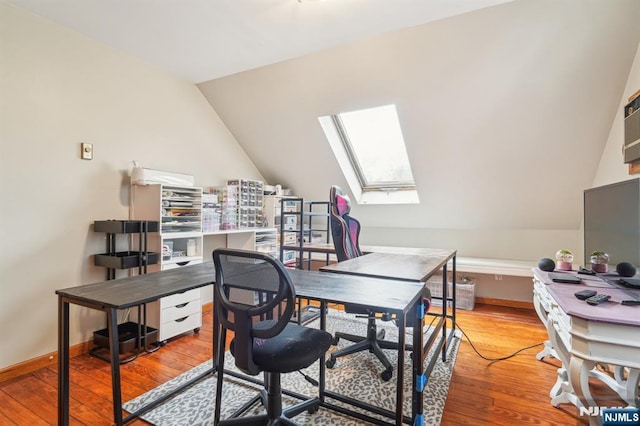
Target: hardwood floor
column 513, row 391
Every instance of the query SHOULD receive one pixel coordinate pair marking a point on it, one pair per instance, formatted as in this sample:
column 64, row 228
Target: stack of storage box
column 249, row 201
column 211, row 213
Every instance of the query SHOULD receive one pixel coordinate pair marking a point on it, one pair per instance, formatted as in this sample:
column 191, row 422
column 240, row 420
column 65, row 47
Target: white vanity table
column 582, row 336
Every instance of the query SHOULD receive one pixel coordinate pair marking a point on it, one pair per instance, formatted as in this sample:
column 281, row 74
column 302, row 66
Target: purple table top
column 609, row 312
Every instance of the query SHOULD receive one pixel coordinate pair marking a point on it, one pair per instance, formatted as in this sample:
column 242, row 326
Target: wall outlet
column 86, row 151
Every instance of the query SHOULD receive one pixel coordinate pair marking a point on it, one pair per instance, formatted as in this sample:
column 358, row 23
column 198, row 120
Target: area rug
column 356, row 375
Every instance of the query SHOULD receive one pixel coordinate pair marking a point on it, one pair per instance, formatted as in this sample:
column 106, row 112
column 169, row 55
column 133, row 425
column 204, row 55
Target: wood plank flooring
column 513, row 391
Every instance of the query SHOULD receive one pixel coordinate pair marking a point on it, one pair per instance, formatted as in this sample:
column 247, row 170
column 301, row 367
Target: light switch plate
column 86, row 151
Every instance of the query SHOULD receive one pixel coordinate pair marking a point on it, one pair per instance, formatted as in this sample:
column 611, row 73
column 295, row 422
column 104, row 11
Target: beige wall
column 611, row 168
column 504, row 128
column 58, row 89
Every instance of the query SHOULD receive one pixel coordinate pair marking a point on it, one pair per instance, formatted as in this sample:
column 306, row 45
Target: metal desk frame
column 110, row 296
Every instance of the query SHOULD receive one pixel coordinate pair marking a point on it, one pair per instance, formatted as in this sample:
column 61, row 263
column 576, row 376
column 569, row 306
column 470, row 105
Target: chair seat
column 296, row 347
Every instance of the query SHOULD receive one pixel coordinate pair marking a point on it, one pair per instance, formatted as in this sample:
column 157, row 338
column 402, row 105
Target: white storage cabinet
column 179, row 211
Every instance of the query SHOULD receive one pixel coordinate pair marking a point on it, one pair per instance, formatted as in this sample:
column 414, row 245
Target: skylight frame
column 357, row 166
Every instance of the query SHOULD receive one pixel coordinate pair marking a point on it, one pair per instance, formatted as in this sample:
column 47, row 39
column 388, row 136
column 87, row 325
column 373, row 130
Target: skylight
column 373, row 140
column 370, row 149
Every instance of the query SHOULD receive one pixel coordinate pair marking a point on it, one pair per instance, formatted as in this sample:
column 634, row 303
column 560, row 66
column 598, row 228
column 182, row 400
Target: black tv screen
column 612, row 221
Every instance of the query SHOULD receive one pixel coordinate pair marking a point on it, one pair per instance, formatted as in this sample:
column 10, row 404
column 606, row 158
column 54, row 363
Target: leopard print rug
column 356, row 375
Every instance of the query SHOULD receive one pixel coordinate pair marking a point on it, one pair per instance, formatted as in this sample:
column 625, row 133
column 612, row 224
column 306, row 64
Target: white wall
column 58, row 89
column 505, row 112
column 611, row 168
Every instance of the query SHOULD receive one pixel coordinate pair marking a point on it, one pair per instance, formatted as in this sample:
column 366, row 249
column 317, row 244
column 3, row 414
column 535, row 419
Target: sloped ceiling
column 204, row 39
column 505, row 111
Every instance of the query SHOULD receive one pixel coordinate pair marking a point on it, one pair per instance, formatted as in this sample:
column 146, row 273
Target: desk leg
column 112, row 320
column 63, row 362
column 445, row 310
column 632, row 382
column 579, row 372
column 217, row 341
column 323, row 368
column 419, row 379
column 562, row 391
column 402, row 329
column 453, row 294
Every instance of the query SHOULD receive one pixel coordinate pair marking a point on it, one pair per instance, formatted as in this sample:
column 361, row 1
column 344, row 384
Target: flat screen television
column 612, row 221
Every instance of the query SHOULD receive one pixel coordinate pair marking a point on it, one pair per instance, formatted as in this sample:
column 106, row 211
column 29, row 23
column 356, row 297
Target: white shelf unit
column 266, row 241
column 254, row 239
column 258, row 239
column 180, row 242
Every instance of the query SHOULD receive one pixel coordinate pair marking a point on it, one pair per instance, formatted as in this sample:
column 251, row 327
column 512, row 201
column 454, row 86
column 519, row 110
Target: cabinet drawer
column 542, row 295
column 166, row 266
column 562, row 323
column 180, row 311
column 180, row 325
column 180, row 298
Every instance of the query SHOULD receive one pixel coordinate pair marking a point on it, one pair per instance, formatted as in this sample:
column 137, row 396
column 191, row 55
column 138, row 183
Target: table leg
column 402, row 328
column 542, row 314
column 323, row 368
column 579, row 372
column 562, row 392
column 632, row 383
column 453, row 294
column 547, row 351
column 445, row 303
column 419, row 379
column 112, row 320
column 63, row 362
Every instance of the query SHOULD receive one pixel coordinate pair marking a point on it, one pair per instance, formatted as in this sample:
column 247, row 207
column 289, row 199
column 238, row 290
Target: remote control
column 585, row 294
column 598, row 299
column 586, row 271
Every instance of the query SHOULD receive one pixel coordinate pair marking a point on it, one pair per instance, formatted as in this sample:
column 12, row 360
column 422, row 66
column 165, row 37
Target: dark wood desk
column 109, row 296
column 415, row 266
column 400, row 266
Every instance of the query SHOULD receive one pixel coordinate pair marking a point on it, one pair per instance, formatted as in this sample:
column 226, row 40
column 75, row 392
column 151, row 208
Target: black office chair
column 254, row 298
column 345, row 232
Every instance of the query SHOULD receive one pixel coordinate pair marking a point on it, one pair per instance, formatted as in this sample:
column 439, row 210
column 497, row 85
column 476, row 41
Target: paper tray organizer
column 127, row 337
column 125, row 259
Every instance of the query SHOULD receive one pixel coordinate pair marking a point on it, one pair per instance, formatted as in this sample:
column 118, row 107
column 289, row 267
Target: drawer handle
column 182, row 319
column 182, row 305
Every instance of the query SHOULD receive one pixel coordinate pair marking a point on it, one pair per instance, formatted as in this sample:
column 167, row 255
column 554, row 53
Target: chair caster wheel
column 380, row 334
column 387, row 374
column 334, row 341
column 331, row 362
column 313, row 409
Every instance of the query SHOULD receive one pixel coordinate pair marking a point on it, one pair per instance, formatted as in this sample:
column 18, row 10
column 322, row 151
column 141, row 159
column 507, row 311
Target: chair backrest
column 345, row 230
column 262, row 310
